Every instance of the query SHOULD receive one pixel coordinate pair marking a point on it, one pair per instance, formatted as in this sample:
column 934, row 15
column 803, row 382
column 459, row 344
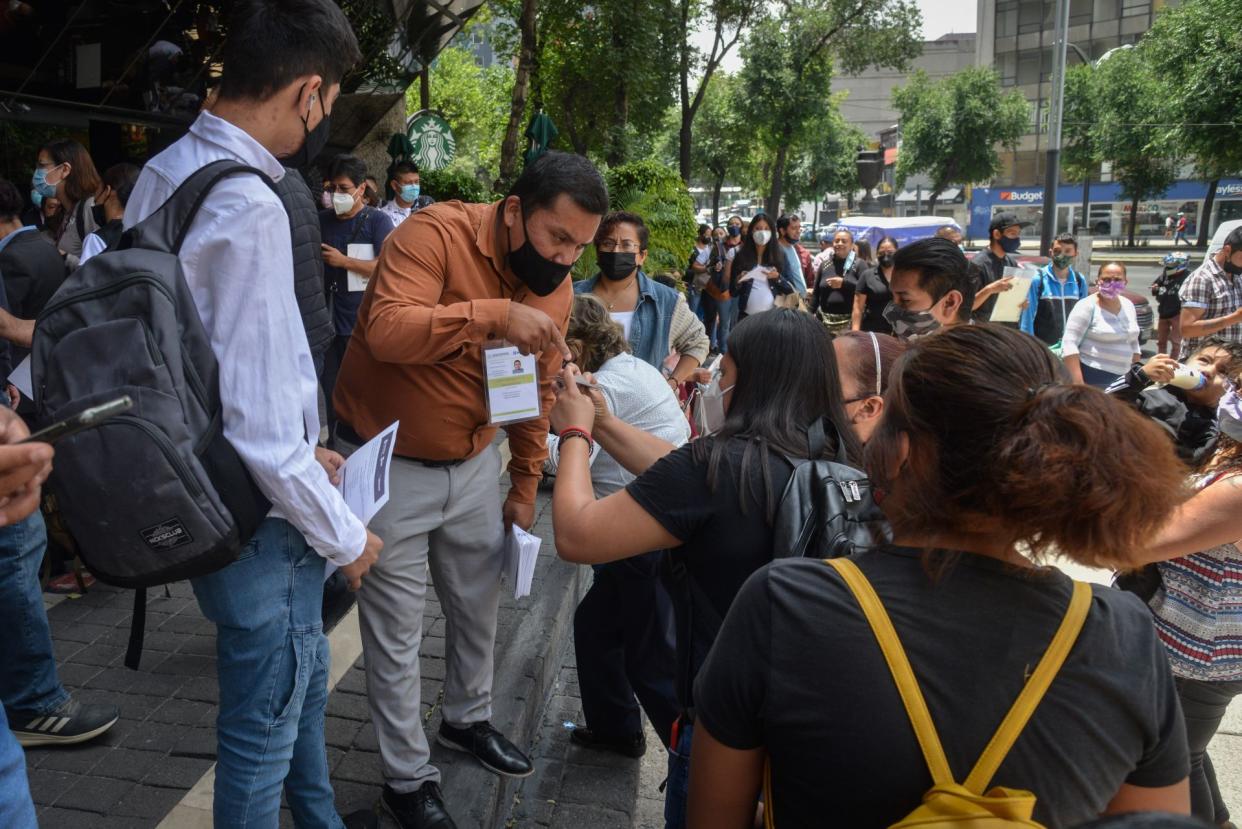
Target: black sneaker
column 71, row 723
column 421, row 809
column 491, row 748
column 634, row 746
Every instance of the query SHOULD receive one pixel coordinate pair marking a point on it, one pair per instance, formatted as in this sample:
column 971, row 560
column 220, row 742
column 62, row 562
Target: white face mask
column 709, row 416
column 762, row 237
column 342, row 203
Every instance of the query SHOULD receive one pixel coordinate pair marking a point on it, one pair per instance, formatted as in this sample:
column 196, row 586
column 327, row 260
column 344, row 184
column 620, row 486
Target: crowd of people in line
column 930, row 661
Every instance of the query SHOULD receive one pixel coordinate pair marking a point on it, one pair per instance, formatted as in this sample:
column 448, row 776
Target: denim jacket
column 653, row 317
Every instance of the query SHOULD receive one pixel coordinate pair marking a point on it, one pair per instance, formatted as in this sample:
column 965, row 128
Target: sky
column 939, row 17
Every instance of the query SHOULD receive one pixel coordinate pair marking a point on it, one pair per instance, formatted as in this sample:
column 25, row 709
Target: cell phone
column 586, row 384
column 85, row 419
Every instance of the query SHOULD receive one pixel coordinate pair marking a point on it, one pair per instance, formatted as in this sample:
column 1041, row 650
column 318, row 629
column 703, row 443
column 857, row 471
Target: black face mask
column 616, row 265
column 99, row 215
column 316, row 140
column 541, row 275
column 886, row 260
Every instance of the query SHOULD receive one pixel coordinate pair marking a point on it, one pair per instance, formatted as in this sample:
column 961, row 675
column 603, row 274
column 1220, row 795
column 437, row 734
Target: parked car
column 1142, row 305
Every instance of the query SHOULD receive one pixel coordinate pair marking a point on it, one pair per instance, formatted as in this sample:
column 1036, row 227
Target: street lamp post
column 1052, row 173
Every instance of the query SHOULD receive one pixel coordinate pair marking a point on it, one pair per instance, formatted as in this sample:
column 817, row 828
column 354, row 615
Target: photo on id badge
column 512, row 384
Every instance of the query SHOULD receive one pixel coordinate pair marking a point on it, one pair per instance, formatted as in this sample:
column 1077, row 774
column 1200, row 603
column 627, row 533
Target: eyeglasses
column 612, row 246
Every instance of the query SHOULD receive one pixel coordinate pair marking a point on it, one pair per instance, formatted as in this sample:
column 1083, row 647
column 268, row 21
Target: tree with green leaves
column 727, row 20
column 721, row 147
column 1080, row 153
column 475, row 102
column 827, row 161
column 1128, row 100
column 1195, row 50
column 603, row 70
column 789, row 62
column 950, row 129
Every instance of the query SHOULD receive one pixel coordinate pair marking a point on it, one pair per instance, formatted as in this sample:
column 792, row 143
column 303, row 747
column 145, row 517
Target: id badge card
column 511, row 382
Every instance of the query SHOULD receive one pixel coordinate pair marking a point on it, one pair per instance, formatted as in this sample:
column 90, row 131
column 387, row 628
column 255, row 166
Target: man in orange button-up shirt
column 449, row 280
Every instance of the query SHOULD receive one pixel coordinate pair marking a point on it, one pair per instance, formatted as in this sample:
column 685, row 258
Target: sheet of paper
column 1008, row 306
column 365, row 253
column 760, row 298
column 364, row 478
column 521, row 555
column 512, row 384
column 20, row 377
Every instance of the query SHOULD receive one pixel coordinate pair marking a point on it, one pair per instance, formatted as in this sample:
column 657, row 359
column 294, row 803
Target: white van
column 1222, row 232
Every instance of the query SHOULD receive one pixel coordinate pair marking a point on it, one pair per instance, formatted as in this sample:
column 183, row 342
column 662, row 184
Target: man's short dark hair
column 556, row 173
column 1067, row 239
column 12, row 203
column 349, row 166
column 402, row 168
column 272, row 43
column 940, row 267
column 624, row 217
column 122, row 178
column 703, row 228
column 785, row 221
column 1234, row 240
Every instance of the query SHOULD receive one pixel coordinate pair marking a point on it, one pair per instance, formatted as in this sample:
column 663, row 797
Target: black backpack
column 158, row 494
column 826, row 511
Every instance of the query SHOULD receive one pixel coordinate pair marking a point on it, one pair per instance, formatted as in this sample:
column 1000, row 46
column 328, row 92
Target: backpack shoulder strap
column 165, row 229
column 899, row 666
column 1004, row 738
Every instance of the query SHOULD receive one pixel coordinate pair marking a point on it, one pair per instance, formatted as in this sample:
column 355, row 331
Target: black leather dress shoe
column 633, row 746
column 491, row 748
column 420, row 809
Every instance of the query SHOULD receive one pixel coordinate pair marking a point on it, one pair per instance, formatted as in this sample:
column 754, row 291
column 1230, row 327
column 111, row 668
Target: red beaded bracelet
column 579, row 430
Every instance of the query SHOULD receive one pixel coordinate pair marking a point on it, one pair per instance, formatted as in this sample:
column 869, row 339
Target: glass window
column 1080, row 11
column 1007, row 66
column 1030, row 17
column 1028, row 66
column 1006, row 19
column 1105, row 10
column 1134, row 8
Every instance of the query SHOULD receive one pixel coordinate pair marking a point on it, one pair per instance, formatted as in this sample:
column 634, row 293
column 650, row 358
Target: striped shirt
column 1198, row 613
column 1101, row 339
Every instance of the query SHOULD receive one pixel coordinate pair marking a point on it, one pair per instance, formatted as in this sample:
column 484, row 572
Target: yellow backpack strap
column 1004, row 738
column 899, row 666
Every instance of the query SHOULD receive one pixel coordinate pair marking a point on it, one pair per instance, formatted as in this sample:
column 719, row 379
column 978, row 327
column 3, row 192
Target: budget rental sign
column 1022, row 196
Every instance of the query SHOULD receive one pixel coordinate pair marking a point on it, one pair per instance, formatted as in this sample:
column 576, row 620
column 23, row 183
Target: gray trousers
column 449, row 519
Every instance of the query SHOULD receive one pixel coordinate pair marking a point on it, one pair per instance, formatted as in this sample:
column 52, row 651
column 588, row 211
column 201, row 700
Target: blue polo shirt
column 369, row 227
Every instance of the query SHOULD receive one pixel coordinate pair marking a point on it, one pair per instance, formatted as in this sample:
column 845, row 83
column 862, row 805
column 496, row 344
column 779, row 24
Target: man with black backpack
column 283, row 62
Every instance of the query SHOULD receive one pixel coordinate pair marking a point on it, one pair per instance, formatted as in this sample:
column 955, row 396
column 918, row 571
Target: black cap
column 1003, row 220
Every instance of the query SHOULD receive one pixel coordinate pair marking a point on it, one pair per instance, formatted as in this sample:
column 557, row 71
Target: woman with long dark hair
column 757, row 271
column 66, row 172
column 797, row 679
column 711, row 503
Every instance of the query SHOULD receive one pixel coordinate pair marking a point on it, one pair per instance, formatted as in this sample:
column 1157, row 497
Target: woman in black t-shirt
column 836, row 282
column 796, row 678
column 709, row 503
column 873, row 293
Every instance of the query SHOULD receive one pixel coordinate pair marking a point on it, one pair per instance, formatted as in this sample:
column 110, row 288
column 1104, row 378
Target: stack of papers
column 365, row 478
column 521, row 552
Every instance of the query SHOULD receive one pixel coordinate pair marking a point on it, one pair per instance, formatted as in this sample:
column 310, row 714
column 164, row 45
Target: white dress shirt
column 238, row 263
column 396, row 212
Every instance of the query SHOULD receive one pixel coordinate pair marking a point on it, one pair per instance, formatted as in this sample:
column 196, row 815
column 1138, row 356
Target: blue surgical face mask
column 40, row 184
column 409, row 193
column 36, row 198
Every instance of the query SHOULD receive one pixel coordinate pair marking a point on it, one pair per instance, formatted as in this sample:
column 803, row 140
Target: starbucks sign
column 433, row 141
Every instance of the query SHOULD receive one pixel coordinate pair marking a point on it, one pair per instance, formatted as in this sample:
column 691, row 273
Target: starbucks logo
column 432, row 139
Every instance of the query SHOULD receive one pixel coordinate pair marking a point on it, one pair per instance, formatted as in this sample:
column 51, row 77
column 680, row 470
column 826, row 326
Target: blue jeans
column 677, row 790
column 16, row 807
column 272, row 662
column 28, row 681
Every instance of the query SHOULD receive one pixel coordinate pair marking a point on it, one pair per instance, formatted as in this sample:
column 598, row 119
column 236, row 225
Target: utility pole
column 1052, row 173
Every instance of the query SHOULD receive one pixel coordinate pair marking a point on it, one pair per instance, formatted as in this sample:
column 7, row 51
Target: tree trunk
column 1085, row 219
column 687, row 114
column 716, row 187
column 931, row 201
column 773, row 204
column 521, row 88
column 1204, row 221
column 1134, row 204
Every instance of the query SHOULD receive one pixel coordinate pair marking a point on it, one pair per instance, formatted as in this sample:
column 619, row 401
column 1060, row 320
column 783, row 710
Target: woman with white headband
column 864, row 359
